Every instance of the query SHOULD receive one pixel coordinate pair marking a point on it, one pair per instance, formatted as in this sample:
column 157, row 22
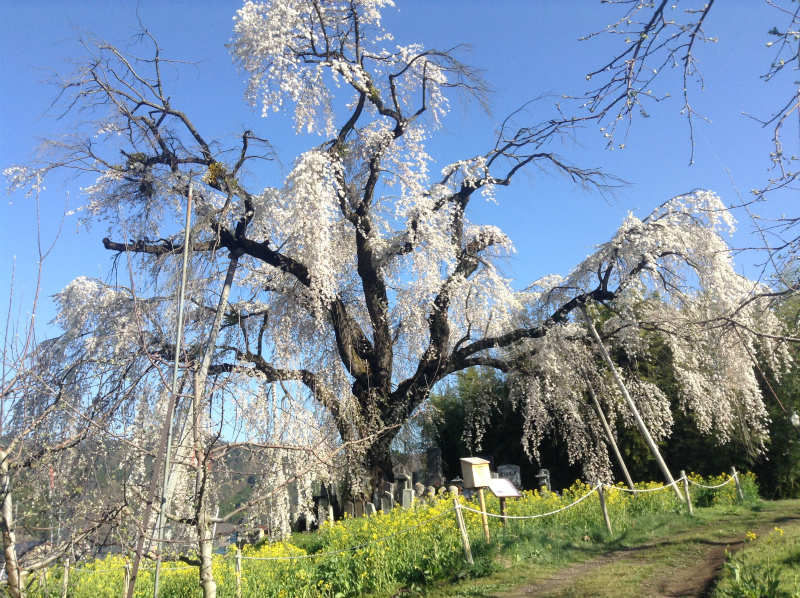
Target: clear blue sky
column 526, row 47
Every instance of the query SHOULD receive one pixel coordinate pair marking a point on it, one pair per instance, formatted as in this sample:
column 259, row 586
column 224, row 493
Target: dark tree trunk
column 379, row 462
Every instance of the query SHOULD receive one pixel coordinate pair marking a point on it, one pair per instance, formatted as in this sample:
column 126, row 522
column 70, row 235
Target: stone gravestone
column 402, row 478
column 453, row 490
column 350, row 509
column 322, row 510
column 369, row 509
column 512, row 474
column 408, row 498
column 330, row 513
column 419, row 490
column 387, row 502
column 359, row 508
column 433, row 456
column 543, row 479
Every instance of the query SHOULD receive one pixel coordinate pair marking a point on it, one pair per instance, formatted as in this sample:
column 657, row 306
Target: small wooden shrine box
column 475, row 472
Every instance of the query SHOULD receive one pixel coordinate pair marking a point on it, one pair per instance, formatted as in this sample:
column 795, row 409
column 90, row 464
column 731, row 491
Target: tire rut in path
column 695, row 580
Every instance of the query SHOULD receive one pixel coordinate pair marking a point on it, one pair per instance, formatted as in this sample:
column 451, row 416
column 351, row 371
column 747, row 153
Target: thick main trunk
column 379, row 463
column 15, row 586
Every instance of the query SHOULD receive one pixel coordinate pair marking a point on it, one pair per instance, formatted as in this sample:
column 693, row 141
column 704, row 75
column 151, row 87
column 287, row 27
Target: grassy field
column 660, row 555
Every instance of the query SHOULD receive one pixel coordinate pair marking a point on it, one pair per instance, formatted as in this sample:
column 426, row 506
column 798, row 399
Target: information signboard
column 503, row 488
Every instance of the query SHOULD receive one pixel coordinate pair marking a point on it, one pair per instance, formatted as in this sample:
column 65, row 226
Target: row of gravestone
column 386, row 501
column 401, row 492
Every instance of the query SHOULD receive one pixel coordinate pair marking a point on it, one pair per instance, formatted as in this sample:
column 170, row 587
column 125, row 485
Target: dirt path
column 685, row 565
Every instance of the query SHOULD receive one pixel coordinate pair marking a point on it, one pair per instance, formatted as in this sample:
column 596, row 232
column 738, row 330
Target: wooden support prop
column 484, row 517
column 686, row 493
column 65, row 579
column 610, row 436
column 735, row 475
column 631, row 405
column 604, row 508
column 238, row 573
column 503, row 510
column 462, row 528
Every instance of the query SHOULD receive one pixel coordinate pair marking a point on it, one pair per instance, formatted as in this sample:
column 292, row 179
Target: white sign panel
column 503, row 488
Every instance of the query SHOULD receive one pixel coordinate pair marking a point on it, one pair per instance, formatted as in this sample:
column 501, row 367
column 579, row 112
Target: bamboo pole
column 686, row 493
column 462, row 528
column 631, row 405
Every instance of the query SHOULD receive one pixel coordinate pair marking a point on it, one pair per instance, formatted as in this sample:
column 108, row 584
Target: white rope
column 584, row 497
column 644, row 489
column 712, row 487
column 143, row 569
column 82, row 570
column 165, row 567
column 320, row 554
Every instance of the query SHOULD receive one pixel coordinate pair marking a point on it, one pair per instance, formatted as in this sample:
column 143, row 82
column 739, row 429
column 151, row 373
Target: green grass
column 768, row 566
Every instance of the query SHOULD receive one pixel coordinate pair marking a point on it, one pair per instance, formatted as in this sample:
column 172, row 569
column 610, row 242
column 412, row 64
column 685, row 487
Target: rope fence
column 731, row 479
column 642, row 490
column 581, row 499
column 457, row 509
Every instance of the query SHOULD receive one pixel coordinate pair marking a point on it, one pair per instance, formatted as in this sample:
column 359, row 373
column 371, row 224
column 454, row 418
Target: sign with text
column 503, row 488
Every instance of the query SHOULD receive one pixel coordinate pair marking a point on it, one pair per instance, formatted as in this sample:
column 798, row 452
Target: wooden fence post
column 126, row 580
column 238, row 572
column 484, row 517
column 686, row 493
column 738, row 485
column 43, row 580
column 65, row 579
column 463, row 529
column 604, row 508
